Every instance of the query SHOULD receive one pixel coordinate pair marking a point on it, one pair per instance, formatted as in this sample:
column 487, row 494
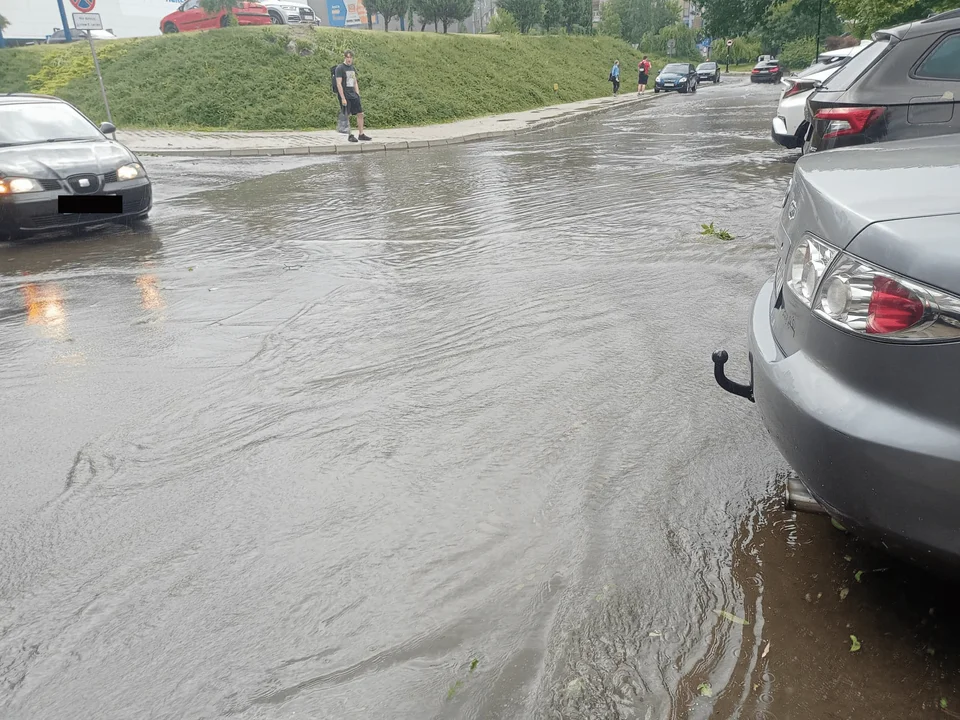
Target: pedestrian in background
column 348, row 88
column 615, row 77
column 644, row 68
column 343, row 122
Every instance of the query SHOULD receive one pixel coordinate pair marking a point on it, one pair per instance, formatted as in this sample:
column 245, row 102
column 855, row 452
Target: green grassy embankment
column 279, row 78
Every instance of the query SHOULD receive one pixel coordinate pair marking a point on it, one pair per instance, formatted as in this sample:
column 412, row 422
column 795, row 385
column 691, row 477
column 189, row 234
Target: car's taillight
column 848, row 120
column 867, row 300
column 806, row 266
column 756, row 70
column 798, row 87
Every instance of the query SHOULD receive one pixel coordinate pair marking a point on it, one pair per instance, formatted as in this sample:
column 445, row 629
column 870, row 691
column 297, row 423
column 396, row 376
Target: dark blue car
column 681, row 77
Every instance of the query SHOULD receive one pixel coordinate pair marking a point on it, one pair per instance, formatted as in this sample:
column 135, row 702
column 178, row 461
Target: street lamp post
column 66, row 25
column 819, row 13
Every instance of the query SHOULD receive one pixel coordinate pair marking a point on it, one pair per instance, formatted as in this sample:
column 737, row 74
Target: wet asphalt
column 432, row 435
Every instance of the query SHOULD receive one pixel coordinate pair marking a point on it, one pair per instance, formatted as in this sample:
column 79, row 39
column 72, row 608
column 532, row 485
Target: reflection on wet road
column 420, row 436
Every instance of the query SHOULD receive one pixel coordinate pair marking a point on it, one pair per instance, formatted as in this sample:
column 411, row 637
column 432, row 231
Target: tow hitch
column 720, row 358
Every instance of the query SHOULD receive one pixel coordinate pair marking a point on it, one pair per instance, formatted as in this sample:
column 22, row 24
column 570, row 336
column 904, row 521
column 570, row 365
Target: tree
column 215, row 7
column 4, row 23
column 793, row 20
column 502, row 23
column 732, row 18
column 449, row 11
column 552, row 14
column 373, row 8
column 429, row 12
column 610, row 23
column 392, row 9
column 866, row 17
column 642, row 17
column 526, row 12
column 577, row 13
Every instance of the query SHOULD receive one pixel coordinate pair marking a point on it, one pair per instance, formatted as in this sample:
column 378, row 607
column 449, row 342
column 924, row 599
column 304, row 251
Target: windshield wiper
column 80, row 139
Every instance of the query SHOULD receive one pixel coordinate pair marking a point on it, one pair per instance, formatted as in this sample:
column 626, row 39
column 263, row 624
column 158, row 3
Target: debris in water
column 473, row 665
column 705, row 689
column 848, row 558
column 766, row 650
column 858, row 574
column 844, row 592
column 655, row 634
column 837, row 525
column 854, row 644
column 731, row 617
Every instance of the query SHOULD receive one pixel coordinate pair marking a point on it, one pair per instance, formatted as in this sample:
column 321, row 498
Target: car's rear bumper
column 38, row 212
column 782, row 136
column 888, row 473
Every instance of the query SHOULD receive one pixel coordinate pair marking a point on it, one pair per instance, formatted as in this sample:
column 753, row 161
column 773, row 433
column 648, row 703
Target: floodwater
column 431, row 435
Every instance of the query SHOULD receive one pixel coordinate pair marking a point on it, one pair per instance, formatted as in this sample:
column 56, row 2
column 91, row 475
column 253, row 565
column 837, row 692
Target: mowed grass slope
column 279, row 78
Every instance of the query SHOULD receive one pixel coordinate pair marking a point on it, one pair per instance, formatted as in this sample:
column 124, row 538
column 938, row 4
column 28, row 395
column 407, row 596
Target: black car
column 708, row 72
column 59, row 171
column 677, row 76
column 767, row 71
column 904, row 85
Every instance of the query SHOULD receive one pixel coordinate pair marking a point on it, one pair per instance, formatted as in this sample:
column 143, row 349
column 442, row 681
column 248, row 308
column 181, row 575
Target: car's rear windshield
column 820, row 67
column 706, row 66
column 768, row 64
column 676, row 67
column 855, row 67
column 37, row 122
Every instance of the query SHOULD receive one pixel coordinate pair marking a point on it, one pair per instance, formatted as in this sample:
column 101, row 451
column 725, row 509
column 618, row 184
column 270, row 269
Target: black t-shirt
column 348, row 76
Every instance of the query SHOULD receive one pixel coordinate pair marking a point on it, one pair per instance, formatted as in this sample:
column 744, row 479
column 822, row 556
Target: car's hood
column 672, row 76
column 707, row 71
column 62, row 159
column 852, row 188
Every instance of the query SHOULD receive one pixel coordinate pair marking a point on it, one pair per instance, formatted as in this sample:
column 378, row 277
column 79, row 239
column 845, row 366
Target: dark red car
column 189, row 17
column 767, row 71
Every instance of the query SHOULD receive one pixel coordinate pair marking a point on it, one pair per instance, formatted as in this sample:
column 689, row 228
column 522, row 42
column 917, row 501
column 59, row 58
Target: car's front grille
column 50, row 184
column 110, row 177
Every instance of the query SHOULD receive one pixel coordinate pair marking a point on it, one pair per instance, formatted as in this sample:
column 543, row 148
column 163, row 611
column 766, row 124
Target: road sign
column 729, row 43
column 84, row 6
column 671, row 44
column 87, row 21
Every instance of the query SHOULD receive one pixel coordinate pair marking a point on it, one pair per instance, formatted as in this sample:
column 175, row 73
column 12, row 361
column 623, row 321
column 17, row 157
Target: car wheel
column 225, row 20
column 656, row 90
column 170, row 29
column 717, row 78
column 276, row 19
column 694, row 86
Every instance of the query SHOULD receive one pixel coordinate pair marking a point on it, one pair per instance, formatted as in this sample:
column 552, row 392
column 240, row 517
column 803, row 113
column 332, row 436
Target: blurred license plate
column 668, row 84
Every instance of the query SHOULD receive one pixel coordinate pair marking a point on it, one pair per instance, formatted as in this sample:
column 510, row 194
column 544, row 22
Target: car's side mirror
column 108, row 128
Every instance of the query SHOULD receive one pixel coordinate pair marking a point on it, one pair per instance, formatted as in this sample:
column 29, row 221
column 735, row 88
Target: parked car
column 284, row 12
column 708, row 72
column 904, row 85
column 766, row 71
column 676, row 76
column 189, row 16
column 789, row 127
column 48, row 151
column 855, row 341
column 60, row 37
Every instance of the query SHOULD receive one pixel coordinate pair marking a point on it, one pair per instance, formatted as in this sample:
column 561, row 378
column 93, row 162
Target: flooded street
column 431, row 434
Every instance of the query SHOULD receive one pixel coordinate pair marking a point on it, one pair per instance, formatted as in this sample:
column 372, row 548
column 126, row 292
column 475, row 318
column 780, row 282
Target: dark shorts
column 353, row 106
column 643, row 79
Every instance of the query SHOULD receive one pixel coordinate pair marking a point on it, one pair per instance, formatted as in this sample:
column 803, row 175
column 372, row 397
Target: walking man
column 644, row 68
column 615, row 77
column 349, row 90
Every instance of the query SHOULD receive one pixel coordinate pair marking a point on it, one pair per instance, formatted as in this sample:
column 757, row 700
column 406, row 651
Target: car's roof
column 919, row 179
column 20, row 98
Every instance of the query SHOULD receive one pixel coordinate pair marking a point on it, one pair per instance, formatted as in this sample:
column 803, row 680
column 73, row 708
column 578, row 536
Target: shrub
column 798, row 54
column 502, row 23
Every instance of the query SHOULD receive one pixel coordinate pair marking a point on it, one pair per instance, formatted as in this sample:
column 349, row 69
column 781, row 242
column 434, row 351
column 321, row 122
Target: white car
column 290, row 13
column 789, row 125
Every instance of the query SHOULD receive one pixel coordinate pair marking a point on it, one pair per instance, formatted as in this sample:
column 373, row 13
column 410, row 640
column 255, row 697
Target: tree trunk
column 444, row 26
column 369, row 20
column 436, row 27
column 386, row 23
column 423, row 26
column 402, row 28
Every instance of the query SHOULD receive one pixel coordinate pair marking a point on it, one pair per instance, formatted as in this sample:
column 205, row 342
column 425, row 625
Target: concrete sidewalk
column 323, row 142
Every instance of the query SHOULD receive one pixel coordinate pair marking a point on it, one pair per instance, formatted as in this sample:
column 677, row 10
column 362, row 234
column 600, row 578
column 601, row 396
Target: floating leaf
column 473, row 665
column 705, row 689
column 731, row 617
column 655, row 634
column 848, row 558
column 453, row 689
column 858, row 574
column 844, row 592
column 837, row 525
column 854, row 644
column 190, row 269
column 943, row 703
column 931, row 651
column 766, row 650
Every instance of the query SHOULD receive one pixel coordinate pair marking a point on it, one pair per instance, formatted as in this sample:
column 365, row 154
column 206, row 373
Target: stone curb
column 356, row 148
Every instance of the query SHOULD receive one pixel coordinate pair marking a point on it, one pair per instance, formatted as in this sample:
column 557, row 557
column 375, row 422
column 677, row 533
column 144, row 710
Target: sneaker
column 364, row 136
column 352, row 138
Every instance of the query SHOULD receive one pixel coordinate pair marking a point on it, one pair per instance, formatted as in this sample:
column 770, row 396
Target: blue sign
column 705, row 43
column 337, row 13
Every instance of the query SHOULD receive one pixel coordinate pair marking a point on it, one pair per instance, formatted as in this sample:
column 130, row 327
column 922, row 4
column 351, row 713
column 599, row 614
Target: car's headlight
column 130, row 172
column 15, row 186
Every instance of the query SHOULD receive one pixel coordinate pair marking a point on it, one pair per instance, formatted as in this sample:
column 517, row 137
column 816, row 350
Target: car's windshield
column 855, row 67
column 706, row 66
column 36, row 122
column 675, row 68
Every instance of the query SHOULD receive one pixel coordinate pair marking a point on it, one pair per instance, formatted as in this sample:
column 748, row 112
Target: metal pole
column 66, row 25
column 819, row 12
column 103, row 90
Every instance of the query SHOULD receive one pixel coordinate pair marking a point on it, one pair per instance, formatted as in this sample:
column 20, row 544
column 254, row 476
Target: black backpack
column 333, row 79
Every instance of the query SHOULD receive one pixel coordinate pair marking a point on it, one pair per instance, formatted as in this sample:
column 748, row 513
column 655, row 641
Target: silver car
column 855, row 342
